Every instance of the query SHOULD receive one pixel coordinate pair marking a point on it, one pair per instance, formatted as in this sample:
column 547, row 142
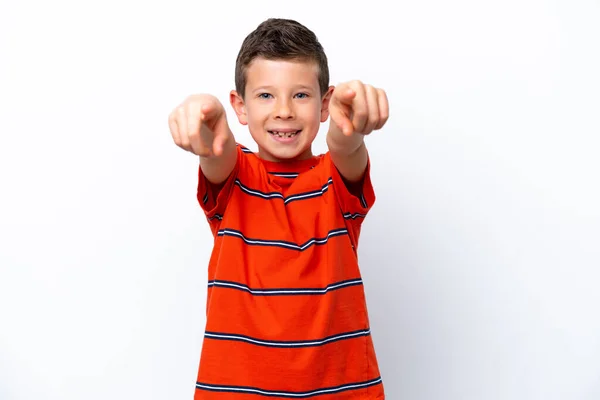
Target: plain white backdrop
column 481, row 256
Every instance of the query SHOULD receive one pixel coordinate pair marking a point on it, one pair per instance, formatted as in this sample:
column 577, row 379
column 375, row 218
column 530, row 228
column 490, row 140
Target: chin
column 285, row 154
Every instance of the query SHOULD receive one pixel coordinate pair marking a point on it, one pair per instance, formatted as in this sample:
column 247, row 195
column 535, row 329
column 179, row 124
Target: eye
column 264, row 96
column 302, row 95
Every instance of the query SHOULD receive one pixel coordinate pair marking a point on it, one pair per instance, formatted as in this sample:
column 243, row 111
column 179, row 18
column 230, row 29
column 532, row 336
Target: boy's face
column 282, row 107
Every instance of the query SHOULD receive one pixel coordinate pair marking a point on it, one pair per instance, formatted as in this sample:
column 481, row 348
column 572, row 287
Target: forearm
column 341, row 144
column 348, row 153
column 218, row 168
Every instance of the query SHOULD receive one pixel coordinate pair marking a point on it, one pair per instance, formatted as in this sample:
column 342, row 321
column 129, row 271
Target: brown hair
column 281, row 39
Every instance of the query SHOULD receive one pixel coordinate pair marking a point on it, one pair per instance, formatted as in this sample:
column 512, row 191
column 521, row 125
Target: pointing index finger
column 208, row 111
column 347, row 96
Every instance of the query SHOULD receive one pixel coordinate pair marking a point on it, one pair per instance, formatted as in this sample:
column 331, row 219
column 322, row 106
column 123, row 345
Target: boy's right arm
column 199, row 125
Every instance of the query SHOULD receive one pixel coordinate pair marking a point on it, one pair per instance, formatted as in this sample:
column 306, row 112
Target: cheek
column 256, row 115
column 312, row 113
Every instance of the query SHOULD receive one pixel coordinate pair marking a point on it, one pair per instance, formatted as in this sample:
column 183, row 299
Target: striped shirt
column 286, row 315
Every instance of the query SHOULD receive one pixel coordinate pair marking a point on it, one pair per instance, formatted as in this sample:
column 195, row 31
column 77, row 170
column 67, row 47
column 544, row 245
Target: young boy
column 286, row 311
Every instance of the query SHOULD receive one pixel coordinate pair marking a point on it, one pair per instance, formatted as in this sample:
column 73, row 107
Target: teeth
column 284, row 134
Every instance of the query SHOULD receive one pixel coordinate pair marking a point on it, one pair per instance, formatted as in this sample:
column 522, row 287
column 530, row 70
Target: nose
column 284, row 109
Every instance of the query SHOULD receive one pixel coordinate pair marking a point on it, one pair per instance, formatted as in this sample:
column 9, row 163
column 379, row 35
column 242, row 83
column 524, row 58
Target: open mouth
column 285, row 135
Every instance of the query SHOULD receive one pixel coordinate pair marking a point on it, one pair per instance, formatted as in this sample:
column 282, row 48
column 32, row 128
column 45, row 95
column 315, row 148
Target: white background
column 481, row 256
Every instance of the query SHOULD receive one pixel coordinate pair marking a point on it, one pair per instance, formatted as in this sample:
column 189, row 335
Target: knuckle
column 192, row 108
column 194, row 98
column 203, row 152
column 353, row 85
column 361, row 114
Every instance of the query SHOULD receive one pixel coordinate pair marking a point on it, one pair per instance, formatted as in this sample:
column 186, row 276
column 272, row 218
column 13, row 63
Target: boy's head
column 281, row 39
column 282, row 88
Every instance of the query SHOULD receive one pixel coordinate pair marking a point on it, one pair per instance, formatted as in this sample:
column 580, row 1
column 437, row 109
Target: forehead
column 263, row 72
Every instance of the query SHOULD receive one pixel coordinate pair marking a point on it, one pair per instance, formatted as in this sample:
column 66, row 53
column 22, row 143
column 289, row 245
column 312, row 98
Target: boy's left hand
column 358, row 108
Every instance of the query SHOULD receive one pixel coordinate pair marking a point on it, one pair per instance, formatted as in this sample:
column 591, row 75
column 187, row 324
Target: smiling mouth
column 285, row 134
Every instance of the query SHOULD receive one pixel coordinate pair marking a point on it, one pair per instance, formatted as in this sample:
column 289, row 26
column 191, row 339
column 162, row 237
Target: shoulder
column 250, row 166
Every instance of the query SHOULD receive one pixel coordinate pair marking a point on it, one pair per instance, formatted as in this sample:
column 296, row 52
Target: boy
column 286, row 311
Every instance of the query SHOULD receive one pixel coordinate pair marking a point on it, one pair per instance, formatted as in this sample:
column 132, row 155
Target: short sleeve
column 213, row 199
column 355, row 201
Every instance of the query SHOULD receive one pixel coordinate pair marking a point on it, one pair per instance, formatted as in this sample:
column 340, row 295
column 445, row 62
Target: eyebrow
column 268, row 87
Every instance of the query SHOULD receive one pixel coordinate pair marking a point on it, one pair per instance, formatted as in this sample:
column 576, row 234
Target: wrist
column 339, row 143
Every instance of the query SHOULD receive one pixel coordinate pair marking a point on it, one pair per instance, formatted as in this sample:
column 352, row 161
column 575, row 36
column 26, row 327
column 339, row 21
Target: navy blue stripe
column 286, row 394
column 363, row 202
column 289, row 343
column 285, row 291
column 216, row 216
column 354, row 216
column 244, row 149
column 258, row 193
column 285, row 174
column 278, row 195
column 283, row 243
column 309, row 195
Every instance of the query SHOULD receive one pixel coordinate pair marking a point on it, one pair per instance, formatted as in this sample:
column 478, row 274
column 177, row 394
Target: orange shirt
column 286, row 310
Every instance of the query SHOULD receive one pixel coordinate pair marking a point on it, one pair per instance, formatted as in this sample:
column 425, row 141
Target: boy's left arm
column 355, row 110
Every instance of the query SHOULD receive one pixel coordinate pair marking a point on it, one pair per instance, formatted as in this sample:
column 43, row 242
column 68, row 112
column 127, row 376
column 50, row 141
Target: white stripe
column 316, row 192
column 353, row 216
column 324, row 240
column 344, row 284
column 304, row 195
column 290, row 245
column 284, row 244
column 283, row 291
column 362, row 199
column 280, row 195
column 296, row 344
column 290, row 394
column 263, row 195
column 301, row 196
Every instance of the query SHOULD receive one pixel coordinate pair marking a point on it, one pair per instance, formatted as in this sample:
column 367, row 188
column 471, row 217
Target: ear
column 237, row 102
column 325, row 104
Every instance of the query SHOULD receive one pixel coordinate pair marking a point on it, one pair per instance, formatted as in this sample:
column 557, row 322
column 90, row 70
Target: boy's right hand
column 199, row 125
